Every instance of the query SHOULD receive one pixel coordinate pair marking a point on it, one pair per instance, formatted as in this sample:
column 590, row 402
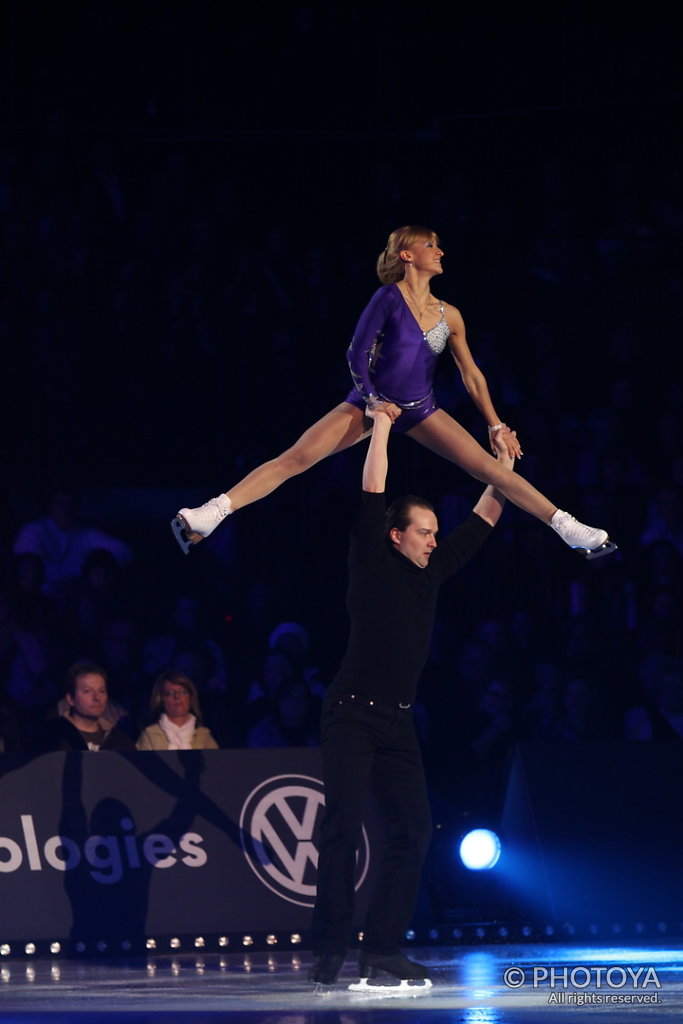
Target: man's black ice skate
column 325, row 970
column 390, row 974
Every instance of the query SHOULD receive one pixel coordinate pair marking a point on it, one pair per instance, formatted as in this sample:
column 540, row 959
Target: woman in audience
column 176, row 719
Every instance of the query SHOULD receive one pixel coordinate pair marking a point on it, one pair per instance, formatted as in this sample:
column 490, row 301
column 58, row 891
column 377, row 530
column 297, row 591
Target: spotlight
column 480, row 849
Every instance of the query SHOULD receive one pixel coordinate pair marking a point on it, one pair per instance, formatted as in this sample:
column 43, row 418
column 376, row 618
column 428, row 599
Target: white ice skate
column 587, row 540
column 190, row 525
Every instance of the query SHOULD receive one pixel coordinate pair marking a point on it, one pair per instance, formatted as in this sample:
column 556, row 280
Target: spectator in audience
column 82, row 725
column 26, row 669
column 665, row 518
column 294, row 720
column 295, row 640
column 187, row 639
column 34, row 611
column 276, row 667
column 494, row 727
column 579, row 715
column 97, row 595
column 176, row 718
column 659, row 714
column 119, row 650
column 63, row 542
column 11, row 738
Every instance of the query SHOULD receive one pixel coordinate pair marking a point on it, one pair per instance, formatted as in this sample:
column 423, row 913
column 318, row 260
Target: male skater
column 368, row 733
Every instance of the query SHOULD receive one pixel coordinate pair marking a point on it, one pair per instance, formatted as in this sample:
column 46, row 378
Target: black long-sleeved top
column 392, row 604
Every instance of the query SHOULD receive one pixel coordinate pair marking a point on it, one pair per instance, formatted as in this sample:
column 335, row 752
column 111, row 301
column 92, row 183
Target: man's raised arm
column 377, row 461
column 492, row 501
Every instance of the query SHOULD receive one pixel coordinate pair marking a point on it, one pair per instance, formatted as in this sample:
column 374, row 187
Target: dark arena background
column 193, row 197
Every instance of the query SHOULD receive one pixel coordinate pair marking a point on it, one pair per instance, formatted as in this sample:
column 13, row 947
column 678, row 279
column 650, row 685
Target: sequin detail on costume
column 437, row 336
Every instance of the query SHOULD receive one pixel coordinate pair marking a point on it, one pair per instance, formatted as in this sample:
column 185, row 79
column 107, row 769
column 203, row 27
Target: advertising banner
column 108, row 848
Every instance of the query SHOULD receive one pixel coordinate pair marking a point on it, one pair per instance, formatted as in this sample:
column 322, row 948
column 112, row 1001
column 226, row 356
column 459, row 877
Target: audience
column 63, row 542
column 541, row 658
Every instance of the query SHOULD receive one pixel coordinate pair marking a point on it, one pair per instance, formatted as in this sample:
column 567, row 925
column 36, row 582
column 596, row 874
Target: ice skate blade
column 319, row 989
column 604, row 549
column 369, row 987
column 185, row 537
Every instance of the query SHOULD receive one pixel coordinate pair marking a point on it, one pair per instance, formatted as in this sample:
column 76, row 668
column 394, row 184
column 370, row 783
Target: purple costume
column 392, row 359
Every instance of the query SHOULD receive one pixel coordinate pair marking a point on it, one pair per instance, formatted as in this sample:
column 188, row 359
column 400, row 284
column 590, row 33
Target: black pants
column 366, row 747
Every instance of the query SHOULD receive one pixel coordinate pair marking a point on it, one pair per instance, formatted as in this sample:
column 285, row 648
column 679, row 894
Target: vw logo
column 279, row 826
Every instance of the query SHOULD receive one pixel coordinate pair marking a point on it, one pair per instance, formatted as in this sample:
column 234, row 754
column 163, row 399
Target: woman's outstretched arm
column 475, row 382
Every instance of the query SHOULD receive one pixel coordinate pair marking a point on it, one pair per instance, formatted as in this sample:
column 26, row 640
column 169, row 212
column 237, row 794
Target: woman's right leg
column 340, row 428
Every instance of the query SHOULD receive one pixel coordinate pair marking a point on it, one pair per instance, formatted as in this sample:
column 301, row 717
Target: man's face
column 90, row 696
column 418, row 540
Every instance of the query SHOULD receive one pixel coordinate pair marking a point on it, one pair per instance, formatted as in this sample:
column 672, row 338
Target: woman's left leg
column 446, row 437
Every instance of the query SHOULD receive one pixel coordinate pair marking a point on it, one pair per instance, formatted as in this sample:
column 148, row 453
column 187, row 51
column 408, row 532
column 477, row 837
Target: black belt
column 367, row 702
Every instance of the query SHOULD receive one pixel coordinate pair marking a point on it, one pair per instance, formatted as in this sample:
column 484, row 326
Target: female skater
column 392, row 358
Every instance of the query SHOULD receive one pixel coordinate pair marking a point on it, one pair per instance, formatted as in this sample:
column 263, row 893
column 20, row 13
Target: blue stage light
column 480, row 849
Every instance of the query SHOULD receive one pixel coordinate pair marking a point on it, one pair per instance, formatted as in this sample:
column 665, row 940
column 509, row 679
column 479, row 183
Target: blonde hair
column 390, row 266
column 176, row 678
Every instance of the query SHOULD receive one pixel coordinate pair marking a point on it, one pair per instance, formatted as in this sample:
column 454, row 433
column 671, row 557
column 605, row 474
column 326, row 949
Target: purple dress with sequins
column 390, row 357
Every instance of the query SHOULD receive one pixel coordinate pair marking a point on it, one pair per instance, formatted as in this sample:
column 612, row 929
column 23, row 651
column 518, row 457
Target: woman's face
column 426, row 254
column 175, row 700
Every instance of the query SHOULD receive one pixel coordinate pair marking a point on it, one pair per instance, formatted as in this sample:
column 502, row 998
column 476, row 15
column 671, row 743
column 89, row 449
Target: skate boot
column 190, row 525
column 586, row 540
column 325, row 970
column 389, row 974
